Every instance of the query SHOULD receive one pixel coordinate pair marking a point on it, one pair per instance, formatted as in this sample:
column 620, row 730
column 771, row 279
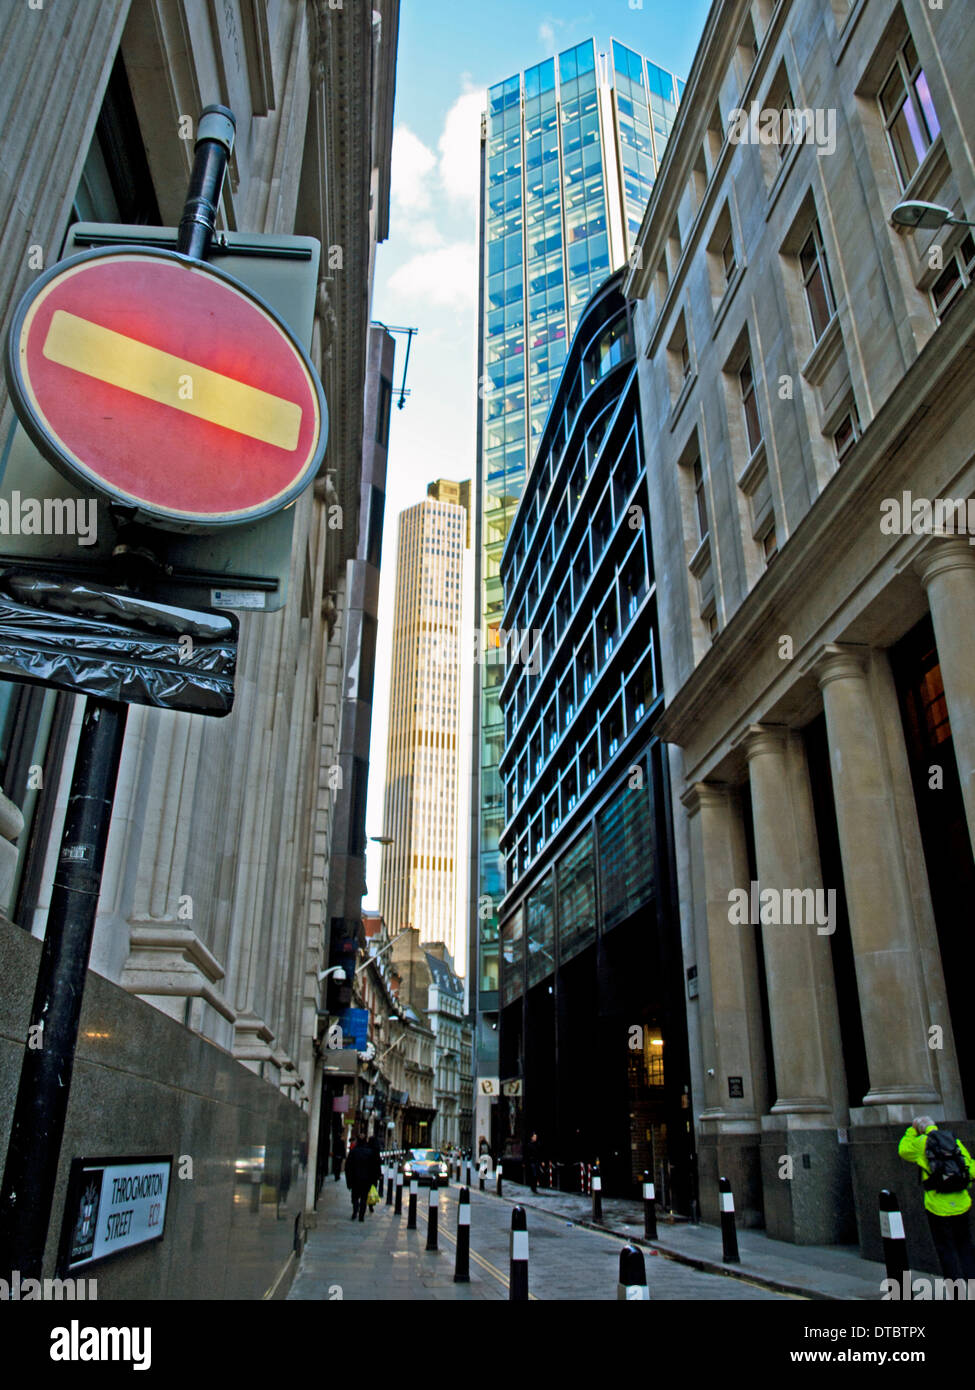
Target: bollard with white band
column 729, row 1235
column 433, row 1210
column 649, row 1208
column 633, row 1275
column 411, row 1210
column 894, row 1238
column 398, row 1208
column 518, row 1272
column 597, row 1194
column 497, row 1184
column 462, row 1264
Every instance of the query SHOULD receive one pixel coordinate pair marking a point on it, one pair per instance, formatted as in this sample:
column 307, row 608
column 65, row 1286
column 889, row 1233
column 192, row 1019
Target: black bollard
column 390, row 1171
column 483, row 1167
column 633, row 1275
column 649, row 1209
column 398, row 1208
column 411, row 1209
column 462, row 1265
column 729, row 1235
column 894, row 1239
column 433, row 1210
column 518, row 1264
column 497, row 1186
column 597, row 1195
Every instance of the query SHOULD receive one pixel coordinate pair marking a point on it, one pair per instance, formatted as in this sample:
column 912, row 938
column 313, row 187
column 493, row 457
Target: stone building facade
column 213, row 906
column 805, row 373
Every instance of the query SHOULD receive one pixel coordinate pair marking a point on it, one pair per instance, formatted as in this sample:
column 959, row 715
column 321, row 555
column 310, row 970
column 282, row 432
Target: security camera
column 710, row 1071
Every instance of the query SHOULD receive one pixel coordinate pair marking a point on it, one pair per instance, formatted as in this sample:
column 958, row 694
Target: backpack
column 948, row 1171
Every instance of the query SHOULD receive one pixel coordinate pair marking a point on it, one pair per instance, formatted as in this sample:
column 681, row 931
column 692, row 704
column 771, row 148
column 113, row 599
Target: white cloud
column 413, row 163
column 446, row 276
column 546, row 36
column 420, row 231
column 460, row 147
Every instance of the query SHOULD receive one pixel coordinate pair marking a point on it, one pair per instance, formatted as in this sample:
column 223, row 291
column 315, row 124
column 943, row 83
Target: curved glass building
column 593, row 1051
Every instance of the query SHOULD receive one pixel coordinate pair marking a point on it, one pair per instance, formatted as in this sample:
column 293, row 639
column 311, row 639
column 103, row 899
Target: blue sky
column 426, row 277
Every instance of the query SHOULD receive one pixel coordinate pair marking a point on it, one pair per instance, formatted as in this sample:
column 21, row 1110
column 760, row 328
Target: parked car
column 428, row 1166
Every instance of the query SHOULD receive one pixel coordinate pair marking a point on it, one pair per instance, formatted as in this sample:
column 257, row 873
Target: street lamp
column 928, row 216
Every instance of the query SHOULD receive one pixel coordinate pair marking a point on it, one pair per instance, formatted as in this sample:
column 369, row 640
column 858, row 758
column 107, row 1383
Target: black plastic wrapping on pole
column 214, row 145
column 98, row 641
column 462, row 1264
column 729, row 1235
column 894, row 1239
column 31, row 1169
column 633, row 1275
column 518, row 1264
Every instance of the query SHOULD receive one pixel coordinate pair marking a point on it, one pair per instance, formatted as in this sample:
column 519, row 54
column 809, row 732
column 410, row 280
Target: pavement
column 571, row 1257
column 803, row 1271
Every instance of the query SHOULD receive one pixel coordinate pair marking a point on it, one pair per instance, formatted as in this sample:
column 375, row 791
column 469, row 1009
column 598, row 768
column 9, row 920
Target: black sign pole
column 34, row 1151
column 45, row 1076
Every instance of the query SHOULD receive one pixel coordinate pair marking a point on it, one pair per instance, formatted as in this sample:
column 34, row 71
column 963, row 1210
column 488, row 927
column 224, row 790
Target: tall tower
column 418, row 883
column 569, row 152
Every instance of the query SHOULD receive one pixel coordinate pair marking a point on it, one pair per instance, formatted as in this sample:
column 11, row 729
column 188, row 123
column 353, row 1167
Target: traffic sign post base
column 31, row 1170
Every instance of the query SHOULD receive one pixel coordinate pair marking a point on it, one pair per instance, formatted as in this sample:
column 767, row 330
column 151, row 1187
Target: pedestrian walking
column 947, row 1172
column 338, row 1156
column 533, row 1156
column 362, row 1169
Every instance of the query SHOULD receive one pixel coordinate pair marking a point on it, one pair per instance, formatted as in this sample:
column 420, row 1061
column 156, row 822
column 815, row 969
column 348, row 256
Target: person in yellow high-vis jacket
column 947, row 1211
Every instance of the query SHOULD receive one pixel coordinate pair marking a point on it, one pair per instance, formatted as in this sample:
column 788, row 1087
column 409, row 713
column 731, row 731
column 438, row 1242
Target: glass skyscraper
column 570, row 149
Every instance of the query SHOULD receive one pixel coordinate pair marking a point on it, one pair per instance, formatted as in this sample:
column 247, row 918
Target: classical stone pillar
column 731, row 1029
column 947, row 571
column 885, row 947
column 798, row 968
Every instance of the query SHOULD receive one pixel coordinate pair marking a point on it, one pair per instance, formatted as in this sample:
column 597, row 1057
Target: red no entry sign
column 166, row 386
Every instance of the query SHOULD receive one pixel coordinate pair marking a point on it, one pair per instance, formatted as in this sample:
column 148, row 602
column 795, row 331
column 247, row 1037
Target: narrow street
column 379, row 1258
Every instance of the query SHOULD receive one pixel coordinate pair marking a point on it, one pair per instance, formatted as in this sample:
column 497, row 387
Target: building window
column 700, row 501
column 909, row 116
column 846, row 433
column 711, row 621
column 727, row 254
column 749, row 405
column 382, row 413
column 770, row 544
column 816, row 282
column 786, row 107
column 956, row 275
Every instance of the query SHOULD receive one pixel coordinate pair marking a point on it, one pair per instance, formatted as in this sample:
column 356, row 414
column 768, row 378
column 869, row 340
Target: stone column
column 885, row 946
column 796, row 952
column 730, row 1014
column 729, row 953
column 947, row 571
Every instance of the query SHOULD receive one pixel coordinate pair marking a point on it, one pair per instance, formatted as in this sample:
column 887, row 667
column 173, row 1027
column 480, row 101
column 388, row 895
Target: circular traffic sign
column 166, row 386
